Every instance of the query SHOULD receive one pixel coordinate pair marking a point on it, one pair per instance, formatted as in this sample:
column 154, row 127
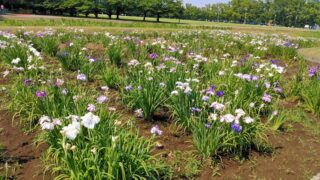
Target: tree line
column 295, row 13
column 157, row 8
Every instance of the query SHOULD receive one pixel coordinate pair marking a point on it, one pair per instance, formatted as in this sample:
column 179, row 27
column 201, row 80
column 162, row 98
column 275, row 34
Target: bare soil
column 19, row 149
column 295, row 156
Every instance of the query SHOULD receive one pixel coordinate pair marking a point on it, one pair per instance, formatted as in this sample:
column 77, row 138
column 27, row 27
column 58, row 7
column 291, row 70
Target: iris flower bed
column 220, row 87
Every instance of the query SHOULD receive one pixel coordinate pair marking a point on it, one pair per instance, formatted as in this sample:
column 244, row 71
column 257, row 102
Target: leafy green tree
column 90, row 6
column 54, row 6
column 145, row 6
column 107, row 7
column 161, row 7
column 177, row 9
column 119, row 6
column 71, row 6
column 191, row 12
column 85, row 7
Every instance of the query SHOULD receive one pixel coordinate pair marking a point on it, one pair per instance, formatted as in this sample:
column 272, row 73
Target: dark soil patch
column 289, row 103
column 97, row 50
column 19, row 148
column 171, row 140
column 296, row 156
column 292, row 70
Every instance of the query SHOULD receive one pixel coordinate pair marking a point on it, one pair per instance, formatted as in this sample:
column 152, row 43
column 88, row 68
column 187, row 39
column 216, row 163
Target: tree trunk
column 158, row 17
column 144, row 16
column 96, row 14
column 109, row 13
column 118, row 14
column 87, row 14
column 71, row 12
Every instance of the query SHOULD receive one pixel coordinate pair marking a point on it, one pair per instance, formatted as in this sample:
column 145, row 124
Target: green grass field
column 136, row 23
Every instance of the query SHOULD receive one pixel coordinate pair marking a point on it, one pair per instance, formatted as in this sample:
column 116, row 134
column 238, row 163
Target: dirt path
column 311, row 54
column 19, row 149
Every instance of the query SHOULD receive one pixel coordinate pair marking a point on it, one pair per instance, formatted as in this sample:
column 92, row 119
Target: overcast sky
column 202, row 3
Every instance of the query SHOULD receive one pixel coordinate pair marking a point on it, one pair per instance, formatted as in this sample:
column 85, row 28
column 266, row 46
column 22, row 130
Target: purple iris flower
column 59, row 82
column 91, row 108
column 211, row 89
column 244, row 59
column 273, row 61
column 267, row 98
column 254, row 78
column 208, row 125
column 236, row 127
column 278, row 89
column 287, row 44
column 82, row 77
column 153, row 56
column 220, row 93
column 205, row 98
column 195, row 109
column 27, row 82
column 41, row 94
column 40, row 34
column 313, row 71
column 102, row 99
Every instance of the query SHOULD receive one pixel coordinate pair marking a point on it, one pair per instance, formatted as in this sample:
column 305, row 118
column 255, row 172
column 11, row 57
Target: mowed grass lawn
column 13, row 22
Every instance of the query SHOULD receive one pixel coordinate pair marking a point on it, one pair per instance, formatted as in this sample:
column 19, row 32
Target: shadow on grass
column 106, row 18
